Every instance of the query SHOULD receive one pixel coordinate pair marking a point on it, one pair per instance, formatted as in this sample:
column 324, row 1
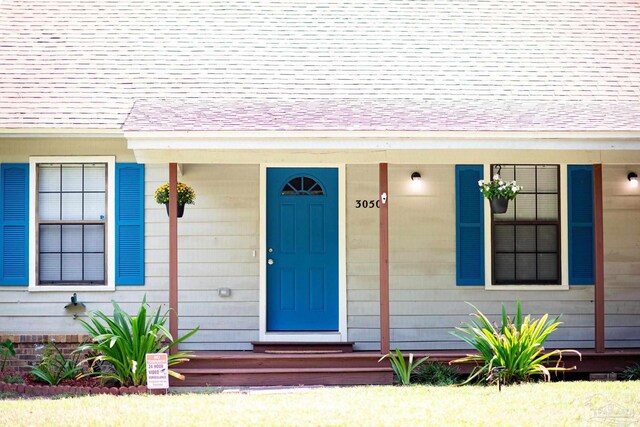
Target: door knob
column 270, row 261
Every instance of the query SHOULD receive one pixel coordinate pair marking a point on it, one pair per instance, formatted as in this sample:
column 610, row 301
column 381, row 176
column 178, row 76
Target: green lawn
column 569, row 403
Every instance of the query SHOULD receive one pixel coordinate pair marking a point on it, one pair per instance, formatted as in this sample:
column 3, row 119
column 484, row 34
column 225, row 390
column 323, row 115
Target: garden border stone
column 54, row 390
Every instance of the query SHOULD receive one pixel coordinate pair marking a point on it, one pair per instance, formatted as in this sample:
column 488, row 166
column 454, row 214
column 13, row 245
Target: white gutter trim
column 310, row 144
column 349, row 134
column 251, row 140
column 382, row 140
column 60, row 133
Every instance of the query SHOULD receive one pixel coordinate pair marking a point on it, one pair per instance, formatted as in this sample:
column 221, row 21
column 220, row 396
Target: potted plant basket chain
column 499, row 192
column 186, row 196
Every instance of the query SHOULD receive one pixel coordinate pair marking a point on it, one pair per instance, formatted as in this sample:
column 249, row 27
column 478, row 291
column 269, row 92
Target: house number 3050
column 367, row 204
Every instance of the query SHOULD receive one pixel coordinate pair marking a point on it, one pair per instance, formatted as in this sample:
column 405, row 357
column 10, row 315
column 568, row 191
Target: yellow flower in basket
column 186, row 195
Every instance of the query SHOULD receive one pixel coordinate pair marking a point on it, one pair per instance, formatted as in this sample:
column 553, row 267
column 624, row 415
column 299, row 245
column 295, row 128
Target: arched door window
column 302, row 186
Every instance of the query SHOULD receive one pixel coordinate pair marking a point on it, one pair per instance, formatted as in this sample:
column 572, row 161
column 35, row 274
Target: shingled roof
column 379, row 115
column 332, row 65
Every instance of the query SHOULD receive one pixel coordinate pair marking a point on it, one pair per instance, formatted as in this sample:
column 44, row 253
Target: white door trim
column 341, row 334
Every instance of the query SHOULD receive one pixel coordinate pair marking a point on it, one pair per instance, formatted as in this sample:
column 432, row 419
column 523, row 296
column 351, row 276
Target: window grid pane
column 72, row 223
column 78, row 257
column 71, row 192
column 526, row 244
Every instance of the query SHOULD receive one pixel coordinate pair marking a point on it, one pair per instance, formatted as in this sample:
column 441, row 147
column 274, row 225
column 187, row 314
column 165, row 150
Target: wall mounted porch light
column 416, row 176
column 75, row 307
column 633, row 179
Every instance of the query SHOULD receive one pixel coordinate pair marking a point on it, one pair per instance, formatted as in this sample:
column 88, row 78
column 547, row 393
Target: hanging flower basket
column 499, row 192
column 186, row 196
column 499, row 205
column 180, row 209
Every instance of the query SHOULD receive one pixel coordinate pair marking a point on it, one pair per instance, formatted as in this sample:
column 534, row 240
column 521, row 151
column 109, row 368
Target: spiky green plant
column 402, row 369
column 55, row 366
column 631, row 373
column 515, row 349
column 124, row 340
column 6, row 350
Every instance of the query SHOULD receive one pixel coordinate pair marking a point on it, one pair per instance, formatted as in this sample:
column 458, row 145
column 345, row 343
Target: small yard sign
column 157, row 371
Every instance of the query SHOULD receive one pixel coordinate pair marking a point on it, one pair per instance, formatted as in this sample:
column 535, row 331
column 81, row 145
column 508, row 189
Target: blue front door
column 302, row 249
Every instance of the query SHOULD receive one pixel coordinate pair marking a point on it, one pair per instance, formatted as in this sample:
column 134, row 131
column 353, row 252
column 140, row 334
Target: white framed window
column 526, row 247
column 72, row 209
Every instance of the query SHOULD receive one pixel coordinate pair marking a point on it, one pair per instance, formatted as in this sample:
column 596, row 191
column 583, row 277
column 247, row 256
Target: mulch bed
column 81, row 386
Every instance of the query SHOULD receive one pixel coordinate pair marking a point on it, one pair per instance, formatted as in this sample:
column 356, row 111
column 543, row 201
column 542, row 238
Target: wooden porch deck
column 246, row 368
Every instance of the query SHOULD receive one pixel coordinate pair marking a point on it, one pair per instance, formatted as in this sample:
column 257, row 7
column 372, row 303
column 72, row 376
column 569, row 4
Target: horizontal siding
column 19, row 150
column 362, row 255
column 425, row 303
column 219, row 234
column 217, row 247
column 26, row 312
column 621, row 206
column 492, row 308
column 217, row 239
column 447, row 320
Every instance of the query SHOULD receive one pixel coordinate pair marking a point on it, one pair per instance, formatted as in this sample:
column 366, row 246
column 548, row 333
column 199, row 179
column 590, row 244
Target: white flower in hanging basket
column 499, row 189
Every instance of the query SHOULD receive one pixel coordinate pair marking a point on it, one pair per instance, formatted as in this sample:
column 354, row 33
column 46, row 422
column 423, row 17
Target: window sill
column 71, row 288
column 564, row 287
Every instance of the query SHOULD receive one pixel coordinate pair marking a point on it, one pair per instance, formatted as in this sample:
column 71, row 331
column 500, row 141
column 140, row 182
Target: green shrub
column 402, row 369
column 124, row 340
column 631, row 373
column 11, row 377
column 512, row 353
column 9, row 395
column 434, row 373
column 6, row 351
column 55, row 367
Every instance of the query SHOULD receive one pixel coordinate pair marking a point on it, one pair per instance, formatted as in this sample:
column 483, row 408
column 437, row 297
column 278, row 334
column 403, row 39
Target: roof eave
column 381, row 140
column 608, row 139
column 60, row 133
column 348, row 134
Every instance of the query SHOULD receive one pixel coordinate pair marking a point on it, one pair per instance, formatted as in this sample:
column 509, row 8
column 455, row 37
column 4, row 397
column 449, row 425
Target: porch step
column 302, row 348
column 248, row 360
column 283, row 376
column 246, row 368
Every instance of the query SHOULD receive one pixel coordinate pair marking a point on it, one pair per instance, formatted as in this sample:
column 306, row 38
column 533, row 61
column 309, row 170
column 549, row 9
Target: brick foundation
column 30, row 347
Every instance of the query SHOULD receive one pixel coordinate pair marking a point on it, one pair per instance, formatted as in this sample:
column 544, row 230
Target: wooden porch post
column 384, row 258
column 599, row 258
column 173, row 252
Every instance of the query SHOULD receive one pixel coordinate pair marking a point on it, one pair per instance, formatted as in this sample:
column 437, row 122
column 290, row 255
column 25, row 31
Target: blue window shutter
column 469, row 226
column 580, row 219
column 129, row 224
column 14, row 229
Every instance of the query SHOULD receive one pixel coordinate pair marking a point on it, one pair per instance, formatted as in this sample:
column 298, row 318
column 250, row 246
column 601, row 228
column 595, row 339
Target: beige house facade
column 303, row 126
